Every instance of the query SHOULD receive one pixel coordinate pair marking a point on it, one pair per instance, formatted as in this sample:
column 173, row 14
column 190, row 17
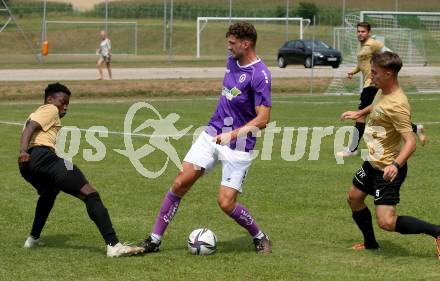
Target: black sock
column 99, row 214
column 364, row 222
column 44, row 206
column 414, row 128
column 357, row 136
column 412, row 225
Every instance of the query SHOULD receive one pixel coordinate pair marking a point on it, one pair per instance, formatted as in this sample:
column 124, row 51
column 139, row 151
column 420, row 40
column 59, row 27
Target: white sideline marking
column 97, row 131
column 274, row 99
column 161, row 136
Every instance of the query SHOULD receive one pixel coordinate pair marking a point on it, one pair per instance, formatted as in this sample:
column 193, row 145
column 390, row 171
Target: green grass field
column 301, row 205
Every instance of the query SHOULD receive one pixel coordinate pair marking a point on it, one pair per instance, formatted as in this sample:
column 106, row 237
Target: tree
column 307, row 10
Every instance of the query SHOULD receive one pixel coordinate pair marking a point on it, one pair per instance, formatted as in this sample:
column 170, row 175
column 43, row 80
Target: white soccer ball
column 202, row 241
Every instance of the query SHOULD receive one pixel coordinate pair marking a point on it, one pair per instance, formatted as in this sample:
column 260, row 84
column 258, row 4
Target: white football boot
column 421, row 134
column 122, row 250
column 31, row 242
column 347, row 153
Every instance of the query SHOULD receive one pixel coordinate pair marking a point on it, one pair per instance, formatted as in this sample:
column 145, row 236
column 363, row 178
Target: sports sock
column 242, row 216
column 357, row 136
column 412, row 225
column 155, row 238
column 364, row 222
column 259, row 235
column 42, row 210
column 167, row 212
column 99, row 215
column 414, row 128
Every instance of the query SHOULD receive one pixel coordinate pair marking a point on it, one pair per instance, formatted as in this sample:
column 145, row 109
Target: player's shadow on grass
column 60, row 241
column 239, row 244
column 390, row 249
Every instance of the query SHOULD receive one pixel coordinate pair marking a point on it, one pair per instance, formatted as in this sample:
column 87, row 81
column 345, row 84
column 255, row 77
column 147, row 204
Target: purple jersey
column 244, row 87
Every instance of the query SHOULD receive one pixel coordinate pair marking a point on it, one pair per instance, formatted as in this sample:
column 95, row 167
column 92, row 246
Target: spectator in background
column 105, row 55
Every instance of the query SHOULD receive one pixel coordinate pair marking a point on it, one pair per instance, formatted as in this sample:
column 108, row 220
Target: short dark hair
column 364, row 24
column 388, row 60
column 243, row 30
column 54, row 88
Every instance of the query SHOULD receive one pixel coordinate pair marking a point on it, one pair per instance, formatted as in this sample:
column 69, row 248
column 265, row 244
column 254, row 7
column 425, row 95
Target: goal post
column 414, row 36
column 364, row 14
column 203, row 21
column 82, row 37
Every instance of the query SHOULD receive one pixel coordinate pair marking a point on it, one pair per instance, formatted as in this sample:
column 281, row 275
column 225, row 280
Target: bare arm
column 260, row 122
column 30, row 128
column 353, row 72
column 356, row 114
column 390, row 172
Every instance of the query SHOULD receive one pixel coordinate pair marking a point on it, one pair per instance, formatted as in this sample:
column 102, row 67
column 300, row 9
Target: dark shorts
column 370, row 180
column 107, row 59
column 367, row 96
column 49, row 173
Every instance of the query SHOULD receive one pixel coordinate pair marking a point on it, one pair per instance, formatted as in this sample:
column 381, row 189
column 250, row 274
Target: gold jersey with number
column 48, row 117
column 389, row 118
column 364, row 55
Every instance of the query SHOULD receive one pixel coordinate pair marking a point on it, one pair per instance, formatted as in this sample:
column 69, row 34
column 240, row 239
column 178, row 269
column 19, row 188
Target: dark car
column 302, row 51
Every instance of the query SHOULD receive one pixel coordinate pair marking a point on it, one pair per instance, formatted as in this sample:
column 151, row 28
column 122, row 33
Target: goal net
column 82, row 37
column 272, row 33
column 415, row 36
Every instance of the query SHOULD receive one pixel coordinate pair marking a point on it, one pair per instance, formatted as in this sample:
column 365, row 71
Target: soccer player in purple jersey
column 243, row 108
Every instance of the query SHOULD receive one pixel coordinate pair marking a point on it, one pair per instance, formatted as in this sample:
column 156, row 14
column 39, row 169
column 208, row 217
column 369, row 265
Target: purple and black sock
column 168, row 210
column 242, row 216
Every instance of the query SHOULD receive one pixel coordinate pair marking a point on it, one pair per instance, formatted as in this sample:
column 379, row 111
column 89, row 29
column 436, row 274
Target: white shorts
column 205, row 153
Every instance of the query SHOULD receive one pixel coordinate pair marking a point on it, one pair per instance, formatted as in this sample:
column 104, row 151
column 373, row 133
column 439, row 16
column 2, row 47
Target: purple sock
column 241, row 215
column 167, row 212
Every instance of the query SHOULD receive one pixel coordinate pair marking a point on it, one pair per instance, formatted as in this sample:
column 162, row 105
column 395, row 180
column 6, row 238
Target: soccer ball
column 202, row 241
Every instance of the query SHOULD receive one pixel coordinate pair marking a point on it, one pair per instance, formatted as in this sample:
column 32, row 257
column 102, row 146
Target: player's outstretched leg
column 420, row 132
column 362, row 217
column 42, row 210
column 227, row 201
column 99, row 215
column 168, row 208
column 388, row 220
column 74, row 183
column 411, row 225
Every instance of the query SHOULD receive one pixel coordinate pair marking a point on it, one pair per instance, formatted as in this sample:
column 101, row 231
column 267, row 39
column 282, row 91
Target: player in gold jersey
column 368, row 47
column 50, row 174
column 390, row 141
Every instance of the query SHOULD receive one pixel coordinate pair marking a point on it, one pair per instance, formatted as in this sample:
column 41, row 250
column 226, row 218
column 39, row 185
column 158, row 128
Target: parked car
column 302, row 51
